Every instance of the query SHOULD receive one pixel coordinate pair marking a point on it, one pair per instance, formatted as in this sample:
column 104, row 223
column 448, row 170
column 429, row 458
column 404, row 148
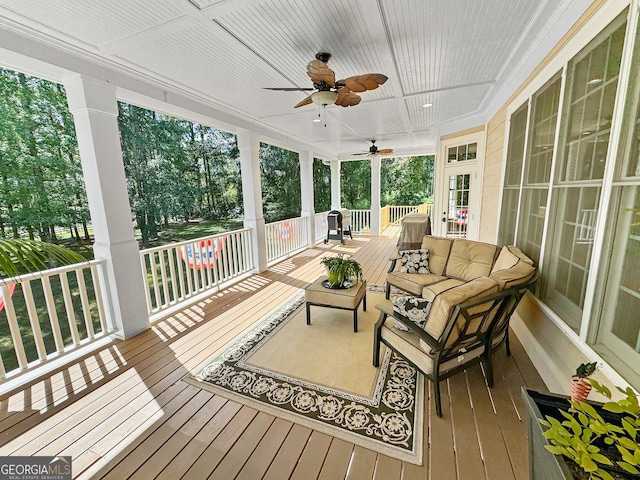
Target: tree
column 280, row 178
column 321, row 186
column 406, row 180
column 355, row 182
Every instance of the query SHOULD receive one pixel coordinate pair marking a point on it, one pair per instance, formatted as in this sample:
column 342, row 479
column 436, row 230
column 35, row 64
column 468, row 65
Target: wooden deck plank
column 312, row 457
column 172, row 441
column 260, row 460
column 363, row 464
column 468, row 458
column 215, row 452
column 442, row 459
column 491, row 437
column 287, row 457
column 199, row 442
column 238, row 455
column 337, row 461
column 387, row 468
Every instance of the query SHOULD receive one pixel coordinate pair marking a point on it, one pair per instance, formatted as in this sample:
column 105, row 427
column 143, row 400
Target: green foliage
column 280, row 176
column 321, row 186
column 586, row 369
column 583, row 429
column 27, row 256
column 407, row 180
column 342, row 268
column 355, row 183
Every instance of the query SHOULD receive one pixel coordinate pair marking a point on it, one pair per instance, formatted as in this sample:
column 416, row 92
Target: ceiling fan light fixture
column 324, row 97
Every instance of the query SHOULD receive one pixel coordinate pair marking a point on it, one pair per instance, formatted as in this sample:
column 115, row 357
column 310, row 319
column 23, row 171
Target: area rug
column 321, row 376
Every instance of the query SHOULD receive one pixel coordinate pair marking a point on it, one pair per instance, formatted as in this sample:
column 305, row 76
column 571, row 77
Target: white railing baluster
column 84, row 300
column 172, row 273
column 147, row 293
column 154, row 277
column 163, row 277
column 14, row 328
column 68, row 305
column 286, row 237
column 95, row 277
column 33, row 320
column 53, row 314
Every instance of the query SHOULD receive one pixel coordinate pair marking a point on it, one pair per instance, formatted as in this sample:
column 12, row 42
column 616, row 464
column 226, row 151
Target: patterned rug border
column 406, row 389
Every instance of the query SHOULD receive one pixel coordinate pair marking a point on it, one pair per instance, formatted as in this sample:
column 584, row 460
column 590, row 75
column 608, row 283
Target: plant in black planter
column 602, row 440
column 341, row 269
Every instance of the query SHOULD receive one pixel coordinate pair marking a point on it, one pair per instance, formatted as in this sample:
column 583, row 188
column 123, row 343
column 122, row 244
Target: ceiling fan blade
column 347, row 98
column 361, row 153
column 385, row 151
column 304, row 102
column 362, row 83
column 319, row 72
column 289, row 89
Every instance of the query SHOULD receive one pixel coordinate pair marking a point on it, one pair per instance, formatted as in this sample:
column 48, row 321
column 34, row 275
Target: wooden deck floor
column 124, row 412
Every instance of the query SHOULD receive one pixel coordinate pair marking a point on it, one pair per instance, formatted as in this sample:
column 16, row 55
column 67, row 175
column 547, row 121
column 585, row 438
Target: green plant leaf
column 604, row 475
column 626, row 455
column 598, row 457
column 629, row 468
column 613, row 407
column 29, row 256
column 627, row 443
column 555, row 449
column 630, row 429
column 587, row 463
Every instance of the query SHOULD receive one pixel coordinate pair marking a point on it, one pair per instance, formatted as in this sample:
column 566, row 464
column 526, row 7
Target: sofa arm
column 393, row 261
column 388, row 311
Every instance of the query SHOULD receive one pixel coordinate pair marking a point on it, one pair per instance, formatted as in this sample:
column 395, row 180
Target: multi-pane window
column 592, row 81
column 535, row 188
column 461, row 153
column 513, row 172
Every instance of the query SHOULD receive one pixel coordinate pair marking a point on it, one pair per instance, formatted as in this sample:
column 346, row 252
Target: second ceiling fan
column 375, row 151
column 330, row 91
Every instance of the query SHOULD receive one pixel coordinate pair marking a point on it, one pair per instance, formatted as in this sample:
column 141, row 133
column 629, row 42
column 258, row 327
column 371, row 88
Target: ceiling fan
column 373, row 150
column 328, row 90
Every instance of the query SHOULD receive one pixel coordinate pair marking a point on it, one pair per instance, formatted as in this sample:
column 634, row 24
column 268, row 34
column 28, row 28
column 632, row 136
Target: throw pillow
column 414, row 261
column 415, row 309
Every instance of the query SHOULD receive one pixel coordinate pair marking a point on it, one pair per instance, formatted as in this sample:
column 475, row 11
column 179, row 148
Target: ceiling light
column 324, row 98
column 427, row 105
column 594, row 81
column 317, row 119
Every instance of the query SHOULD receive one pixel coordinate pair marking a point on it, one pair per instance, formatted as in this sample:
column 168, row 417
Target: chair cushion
column 439, row 248
column 469, row 259
column 512, row 267
column 445, row 302
column 407, row 344
column 414, row 261
column 412, row 283
column 415, row 309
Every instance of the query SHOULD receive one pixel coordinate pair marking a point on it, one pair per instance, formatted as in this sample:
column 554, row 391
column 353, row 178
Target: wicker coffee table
column 344, row 299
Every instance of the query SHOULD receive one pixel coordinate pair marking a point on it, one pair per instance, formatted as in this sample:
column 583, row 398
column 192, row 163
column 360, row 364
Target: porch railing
column 322, row 224
column 361, row 221
column 50, row 313
column 181, row 270
column 286, row 237
column 393, row 214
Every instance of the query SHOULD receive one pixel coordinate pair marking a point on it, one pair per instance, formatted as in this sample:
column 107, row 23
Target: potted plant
column 580, row 385
column 341, row 270
column 588, row 440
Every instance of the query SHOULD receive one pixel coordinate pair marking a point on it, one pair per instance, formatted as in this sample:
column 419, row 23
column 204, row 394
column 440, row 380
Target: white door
column 458, row 176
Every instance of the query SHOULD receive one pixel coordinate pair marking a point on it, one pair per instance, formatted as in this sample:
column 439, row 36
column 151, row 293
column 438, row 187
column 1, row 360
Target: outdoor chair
column 474, row 331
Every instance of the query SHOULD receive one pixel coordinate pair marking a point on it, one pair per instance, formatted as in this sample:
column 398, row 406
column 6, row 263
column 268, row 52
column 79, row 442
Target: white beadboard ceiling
column 462, row 56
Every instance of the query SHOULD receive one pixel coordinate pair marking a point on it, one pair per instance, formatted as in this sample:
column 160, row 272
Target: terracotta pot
column 580, row 389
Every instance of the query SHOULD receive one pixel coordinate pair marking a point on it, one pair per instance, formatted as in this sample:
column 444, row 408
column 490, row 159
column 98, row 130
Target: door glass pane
column 458, row 209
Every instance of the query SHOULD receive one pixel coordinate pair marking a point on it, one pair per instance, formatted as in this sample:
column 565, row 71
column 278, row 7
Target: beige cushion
column 439, row 248
column 512, row 267
column 409, row 346
column 411, row 282
column 429, row 292
column 445, row 302
column 342, row 298
column 469, row 259
column 509, row 256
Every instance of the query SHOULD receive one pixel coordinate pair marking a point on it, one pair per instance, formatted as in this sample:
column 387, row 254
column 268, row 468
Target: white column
column 94, row 107
column 375, row 196
column 335, row 185
column 249, row 146
column 306, row 189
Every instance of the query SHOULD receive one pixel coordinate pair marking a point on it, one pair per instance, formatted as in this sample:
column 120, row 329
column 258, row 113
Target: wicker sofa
column 452, row 305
